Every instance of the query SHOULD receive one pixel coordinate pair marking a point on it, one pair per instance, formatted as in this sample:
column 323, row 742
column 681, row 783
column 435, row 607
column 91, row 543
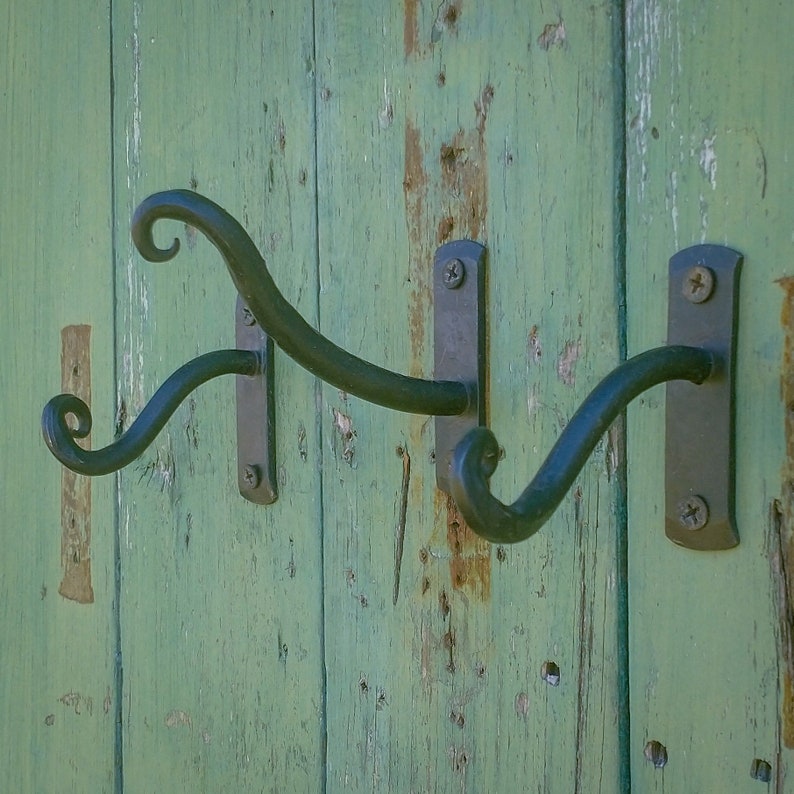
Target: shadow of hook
column 476, row 456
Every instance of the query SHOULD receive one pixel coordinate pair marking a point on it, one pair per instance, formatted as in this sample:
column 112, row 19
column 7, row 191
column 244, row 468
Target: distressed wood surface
column 355, row 635
column 436, row 122
column 221, row 599
column 58, row 650
column 709, row 121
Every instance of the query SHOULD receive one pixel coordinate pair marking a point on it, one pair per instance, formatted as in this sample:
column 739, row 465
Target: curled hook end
column 474, row 461
column 150, row 210
column 56, row 413
column 59, row 434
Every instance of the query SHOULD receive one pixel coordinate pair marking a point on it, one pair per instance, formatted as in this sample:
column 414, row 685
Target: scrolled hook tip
column 54, row 418
column 150, row 210
column 478, row 450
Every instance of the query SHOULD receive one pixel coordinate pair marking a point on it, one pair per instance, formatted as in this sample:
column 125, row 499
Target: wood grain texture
column 221, row 599
column 57, row 656
column 708, row 149
column 435, row 122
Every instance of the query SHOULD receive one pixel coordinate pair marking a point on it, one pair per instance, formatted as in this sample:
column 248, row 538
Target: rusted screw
column 550, row 673
column 693, row 512
column 248, row 316
column 761, row 770
column 454, row 273
column 656, row 753
column 698, row 284
column 252, row 476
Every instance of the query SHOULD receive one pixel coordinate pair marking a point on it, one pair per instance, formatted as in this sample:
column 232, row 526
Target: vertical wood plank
column 495, row 122
column 58, row 652
column 708, row 119
column 221, row 599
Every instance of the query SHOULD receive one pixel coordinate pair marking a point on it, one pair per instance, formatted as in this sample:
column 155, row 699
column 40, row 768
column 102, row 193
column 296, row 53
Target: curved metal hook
column 60, row 438
column 476, row 456
column 281, row 321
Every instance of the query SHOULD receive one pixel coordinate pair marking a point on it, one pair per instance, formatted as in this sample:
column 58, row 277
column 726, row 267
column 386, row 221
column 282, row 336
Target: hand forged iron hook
column 276, row 317
column 281, row 321
column 476, row 456
column 60, row 436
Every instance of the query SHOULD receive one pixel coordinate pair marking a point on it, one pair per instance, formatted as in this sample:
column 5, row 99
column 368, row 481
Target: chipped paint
column 386, row 113
column 707, row 159
column 415, row 184
column 343, row 425
column 402, row 514
column 566, row 363
column 781, row 551
column 75, row 489
column 410, row 27
column 470, row 562
column 176, row 718
column 553, row 35
column 80, row 704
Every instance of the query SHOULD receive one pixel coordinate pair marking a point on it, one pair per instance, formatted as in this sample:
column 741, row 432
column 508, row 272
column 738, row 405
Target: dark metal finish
column 475, row 458
column 256, row 445
column 459, row 309
column 60, row 438
column 699, row 444
column 281, row 321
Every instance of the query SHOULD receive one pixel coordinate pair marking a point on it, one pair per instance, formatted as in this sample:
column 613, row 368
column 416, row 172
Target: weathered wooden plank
column 708, row 146
column 221, row 599
column 439, row 121
column 58, row 653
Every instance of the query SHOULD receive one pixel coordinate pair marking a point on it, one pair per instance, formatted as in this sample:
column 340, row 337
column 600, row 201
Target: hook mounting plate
column 700, row 452
column 256, row 447
column 460, row 354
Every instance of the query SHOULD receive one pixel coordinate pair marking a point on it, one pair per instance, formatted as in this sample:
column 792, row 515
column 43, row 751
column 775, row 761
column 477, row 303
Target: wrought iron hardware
column 702, row 316
column 700, row 454
column 460, row 341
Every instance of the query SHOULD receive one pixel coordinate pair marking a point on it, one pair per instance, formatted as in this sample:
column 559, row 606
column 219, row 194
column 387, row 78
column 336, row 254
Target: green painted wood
column 709, row 123
column 221, row 600
column 439, row 121
column 57, row 655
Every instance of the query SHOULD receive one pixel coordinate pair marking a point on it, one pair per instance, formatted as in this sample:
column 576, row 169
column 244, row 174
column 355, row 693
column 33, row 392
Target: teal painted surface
column 319, row 644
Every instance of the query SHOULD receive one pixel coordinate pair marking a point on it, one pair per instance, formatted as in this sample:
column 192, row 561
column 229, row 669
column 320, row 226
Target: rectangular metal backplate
column 460, row 355
column 256, row 458
column 699, row 447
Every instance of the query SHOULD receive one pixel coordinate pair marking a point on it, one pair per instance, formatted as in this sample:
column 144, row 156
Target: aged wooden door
column 162, row 634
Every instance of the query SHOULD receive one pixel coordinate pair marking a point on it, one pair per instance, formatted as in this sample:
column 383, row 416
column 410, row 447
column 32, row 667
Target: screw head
column 693, row 512
column 454, row 273
column 656, row 753
column 698, row 284
column 252, row 476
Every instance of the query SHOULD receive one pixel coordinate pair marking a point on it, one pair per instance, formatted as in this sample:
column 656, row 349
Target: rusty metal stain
column 415, row 189
column 470, row 562
column 781, row 515
column 411, row 27
column 464, row 171
column 76, row 489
